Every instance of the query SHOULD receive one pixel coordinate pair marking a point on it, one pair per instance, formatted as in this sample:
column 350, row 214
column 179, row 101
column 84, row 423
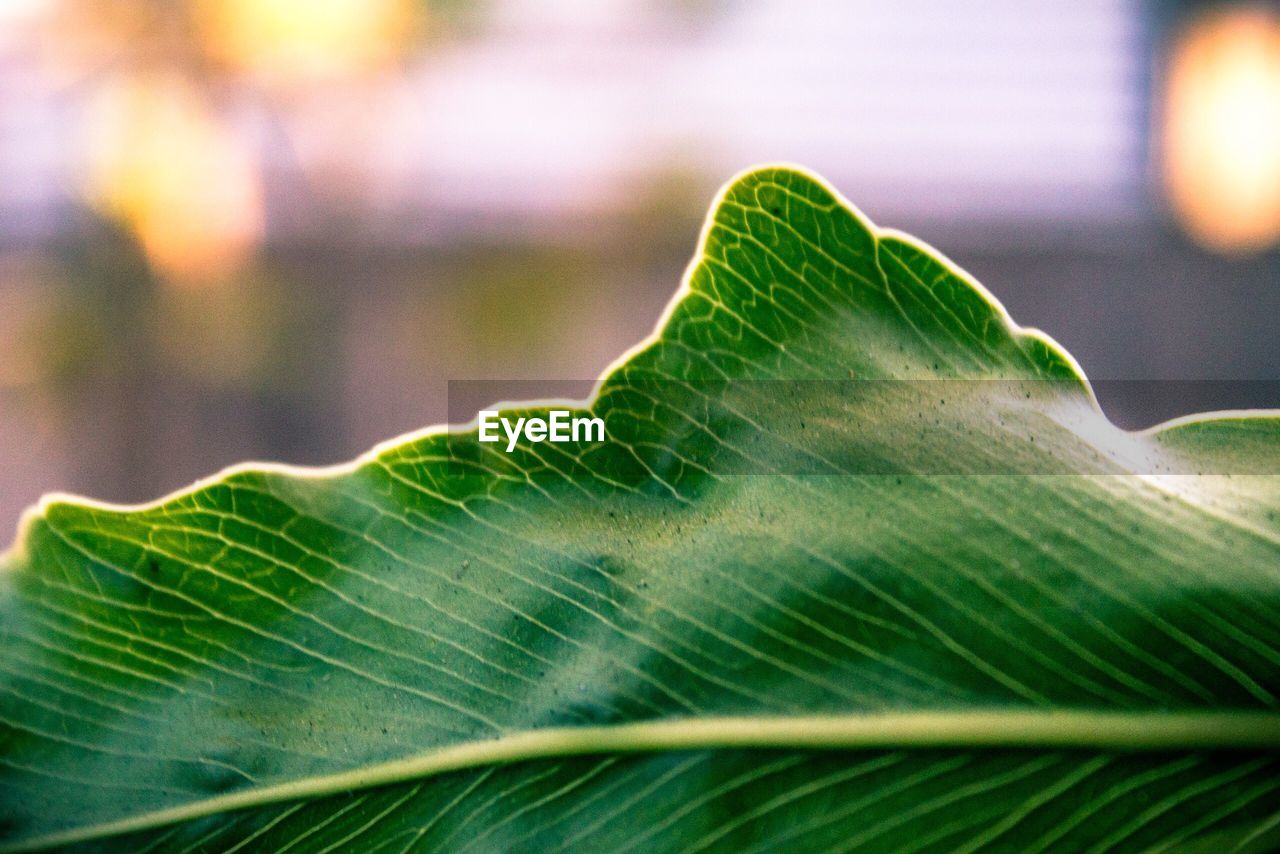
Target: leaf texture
column 839, row 484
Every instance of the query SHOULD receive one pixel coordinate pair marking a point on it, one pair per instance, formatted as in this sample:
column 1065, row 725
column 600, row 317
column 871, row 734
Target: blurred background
column 275, row 229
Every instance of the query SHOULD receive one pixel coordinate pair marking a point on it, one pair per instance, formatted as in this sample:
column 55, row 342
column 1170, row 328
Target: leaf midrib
column 1064, row 729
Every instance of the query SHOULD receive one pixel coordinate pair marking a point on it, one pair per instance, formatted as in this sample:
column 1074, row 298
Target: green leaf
column 860, row 565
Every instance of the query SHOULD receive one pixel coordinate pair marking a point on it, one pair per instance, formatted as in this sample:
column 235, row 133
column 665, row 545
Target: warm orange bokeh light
column 162, row 163
column 285, row 40
column 1222, row 130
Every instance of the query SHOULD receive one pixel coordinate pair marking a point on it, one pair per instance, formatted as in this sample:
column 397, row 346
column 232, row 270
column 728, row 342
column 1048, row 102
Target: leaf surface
column 860, row 565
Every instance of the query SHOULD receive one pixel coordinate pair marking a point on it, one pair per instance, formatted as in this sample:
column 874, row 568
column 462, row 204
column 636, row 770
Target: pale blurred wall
column 279, row 244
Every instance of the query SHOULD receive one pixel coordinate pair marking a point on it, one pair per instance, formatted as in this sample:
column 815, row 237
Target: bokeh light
column 1222, row 130
column 272, row 229
column 289, row 40
column 162, row 162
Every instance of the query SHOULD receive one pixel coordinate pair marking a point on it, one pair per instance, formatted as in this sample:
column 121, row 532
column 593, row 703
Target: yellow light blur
column 286, row 40
column 162, row 163
column 1222, row 130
